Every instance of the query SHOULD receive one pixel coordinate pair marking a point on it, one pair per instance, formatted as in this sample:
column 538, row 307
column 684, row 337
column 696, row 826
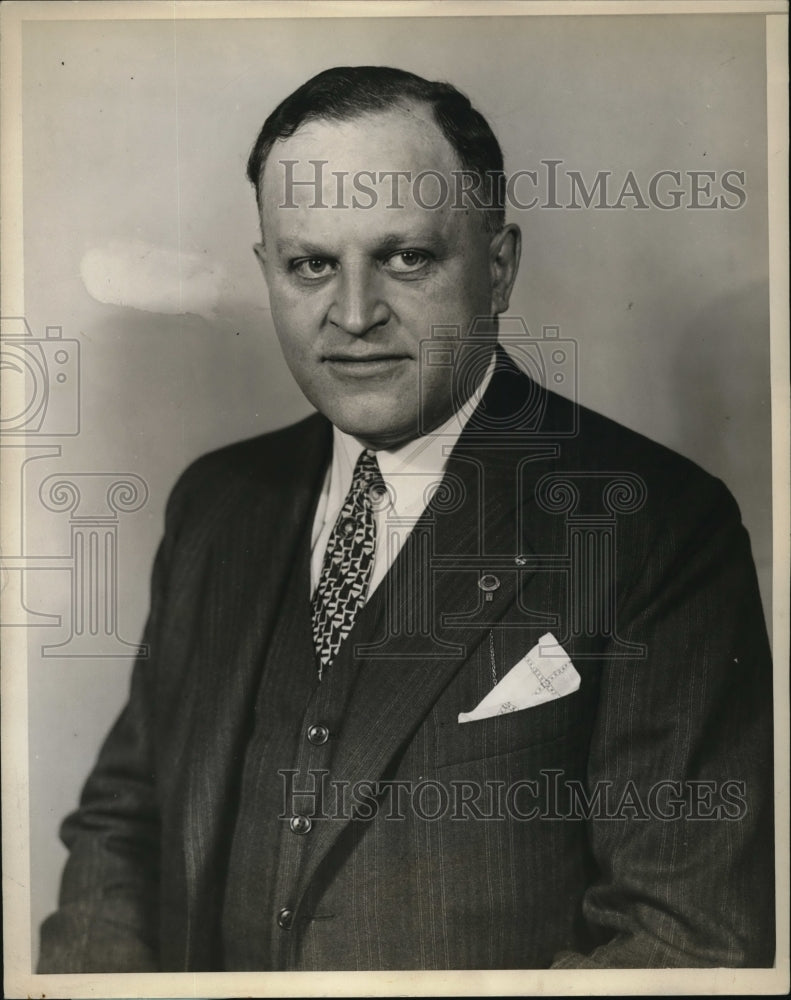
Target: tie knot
column 367, row 482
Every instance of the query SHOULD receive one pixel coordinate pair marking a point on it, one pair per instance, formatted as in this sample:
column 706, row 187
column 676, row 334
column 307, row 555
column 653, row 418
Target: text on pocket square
column 543, row 674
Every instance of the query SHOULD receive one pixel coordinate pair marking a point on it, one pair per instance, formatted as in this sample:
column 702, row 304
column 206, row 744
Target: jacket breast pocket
column 568, row 718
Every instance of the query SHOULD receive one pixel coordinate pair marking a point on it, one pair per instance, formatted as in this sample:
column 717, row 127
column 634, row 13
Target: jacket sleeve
column 684, row 739
column 107, row 913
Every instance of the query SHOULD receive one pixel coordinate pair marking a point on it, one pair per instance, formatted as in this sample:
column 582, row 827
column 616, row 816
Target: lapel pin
column 488, row 584
column 521, row 560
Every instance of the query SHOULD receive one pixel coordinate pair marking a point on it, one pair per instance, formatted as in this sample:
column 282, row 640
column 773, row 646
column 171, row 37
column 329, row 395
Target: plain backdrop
column 136, row 136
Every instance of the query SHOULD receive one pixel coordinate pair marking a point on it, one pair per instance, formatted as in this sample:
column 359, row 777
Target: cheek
column 450, row 302
column 294, row 317
column 286, row 292
column 474, row 290
column 434, row 393
column 463, row 294
column 295, row 345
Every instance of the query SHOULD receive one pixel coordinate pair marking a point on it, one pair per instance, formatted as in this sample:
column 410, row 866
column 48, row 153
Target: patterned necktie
column 348, row 562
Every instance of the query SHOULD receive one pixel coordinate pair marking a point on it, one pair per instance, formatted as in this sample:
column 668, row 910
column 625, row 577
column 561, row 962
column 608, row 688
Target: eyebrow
column 400, row 241
column 302, row 249
column 387, row 244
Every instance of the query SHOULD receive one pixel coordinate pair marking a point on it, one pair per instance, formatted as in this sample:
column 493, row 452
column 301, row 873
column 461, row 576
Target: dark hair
column 345, row 92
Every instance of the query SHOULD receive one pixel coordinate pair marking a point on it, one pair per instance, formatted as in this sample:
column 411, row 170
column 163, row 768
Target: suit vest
column 286, row 786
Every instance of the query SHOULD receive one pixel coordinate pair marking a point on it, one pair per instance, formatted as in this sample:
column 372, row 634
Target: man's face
column 354, row 290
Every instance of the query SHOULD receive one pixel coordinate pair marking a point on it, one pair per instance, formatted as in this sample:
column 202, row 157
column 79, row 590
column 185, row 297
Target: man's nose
column 359, row 303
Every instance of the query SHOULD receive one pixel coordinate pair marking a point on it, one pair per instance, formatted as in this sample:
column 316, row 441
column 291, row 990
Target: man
column 452, row 674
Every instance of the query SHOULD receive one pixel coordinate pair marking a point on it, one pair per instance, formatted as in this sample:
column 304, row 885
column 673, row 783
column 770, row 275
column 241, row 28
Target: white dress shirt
column 411, row 473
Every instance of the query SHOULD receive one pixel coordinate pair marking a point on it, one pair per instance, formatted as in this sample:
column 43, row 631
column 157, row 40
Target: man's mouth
column 367, row 364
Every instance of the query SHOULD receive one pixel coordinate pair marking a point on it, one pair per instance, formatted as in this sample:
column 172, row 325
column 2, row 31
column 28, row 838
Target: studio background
column 139, row 224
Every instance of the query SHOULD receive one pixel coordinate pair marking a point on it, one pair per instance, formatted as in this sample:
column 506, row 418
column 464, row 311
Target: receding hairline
column 348, row 93
column 406, row 106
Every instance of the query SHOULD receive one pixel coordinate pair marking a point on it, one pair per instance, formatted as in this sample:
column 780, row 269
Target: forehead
column 405, row 137
column 342, row 159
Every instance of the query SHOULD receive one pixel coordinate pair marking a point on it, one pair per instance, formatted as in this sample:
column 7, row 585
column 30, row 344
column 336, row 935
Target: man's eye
column 312, row 267
column 406, row 261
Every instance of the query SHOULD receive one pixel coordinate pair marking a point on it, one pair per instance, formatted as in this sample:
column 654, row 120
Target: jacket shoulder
column 262, row 463
column 586, row 441
column 674, row 495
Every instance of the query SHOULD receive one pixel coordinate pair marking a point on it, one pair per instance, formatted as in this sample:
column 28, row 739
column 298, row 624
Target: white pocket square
column 543, row 674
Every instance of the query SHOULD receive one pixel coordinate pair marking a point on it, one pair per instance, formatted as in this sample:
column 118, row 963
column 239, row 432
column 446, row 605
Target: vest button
column 318, row 735
column 285, row 918
column 348, row 526
column 300, row 824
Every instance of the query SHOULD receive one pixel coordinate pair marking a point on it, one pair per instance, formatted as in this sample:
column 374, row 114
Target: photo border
column 16, row 860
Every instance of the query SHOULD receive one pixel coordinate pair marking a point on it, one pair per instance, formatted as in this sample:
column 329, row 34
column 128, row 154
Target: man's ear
column 260, row 252
column 505, row 250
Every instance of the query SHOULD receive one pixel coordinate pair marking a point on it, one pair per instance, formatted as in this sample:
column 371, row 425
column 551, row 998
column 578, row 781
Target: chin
column 377, row 430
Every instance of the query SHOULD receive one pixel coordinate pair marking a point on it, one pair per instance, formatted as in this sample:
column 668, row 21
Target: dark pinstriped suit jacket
column 663, row 623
